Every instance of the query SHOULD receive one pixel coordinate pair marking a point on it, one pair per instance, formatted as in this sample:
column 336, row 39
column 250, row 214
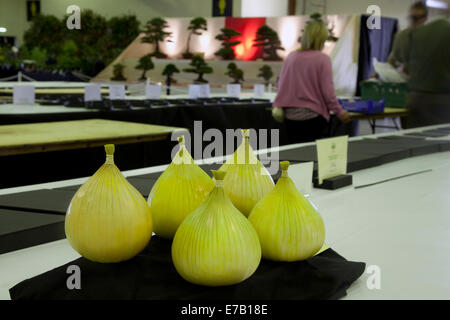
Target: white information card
column 331, row 157
column 153, row 91
column 234, row 90
column 92, row 92
column 259, row 90
column 302, row 174
column 117, row 92
column 23, row 94
column 204, row 91
column 194, row 91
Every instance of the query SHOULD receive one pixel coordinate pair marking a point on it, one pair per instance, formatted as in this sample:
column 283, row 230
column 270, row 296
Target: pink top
column 306, row 81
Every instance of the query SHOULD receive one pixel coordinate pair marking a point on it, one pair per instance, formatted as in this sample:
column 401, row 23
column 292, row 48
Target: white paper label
column 331, row 157
column 234, row 90
column 302, row 174
column 153, row 91
column 137, row 89
column 117, row 92
column 23, row 94
column 258, row 90
column 194, row 91
column 92, row 92
column 204, row 91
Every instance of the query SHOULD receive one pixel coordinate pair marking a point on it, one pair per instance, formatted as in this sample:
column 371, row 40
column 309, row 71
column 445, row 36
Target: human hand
column 345, row 117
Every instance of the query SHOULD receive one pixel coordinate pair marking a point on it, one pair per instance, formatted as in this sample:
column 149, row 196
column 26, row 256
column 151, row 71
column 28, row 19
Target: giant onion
column 181, row 188
column 108, row 220
column 216, row 245
column 247, row 180
column 288, row 226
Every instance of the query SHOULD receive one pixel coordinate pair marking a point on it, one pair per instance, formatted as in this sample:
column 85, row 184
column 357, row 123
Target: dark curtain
column 374, row 43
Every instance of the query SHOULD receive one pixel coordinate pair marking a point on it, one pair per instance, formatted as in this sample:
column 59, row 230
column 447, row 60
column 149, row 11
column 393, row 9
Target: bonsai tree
column 154, row 34
column 235, row 73
column 118, row 72
column 227, row 52
column 196, row 26
column 266, row 73
column 168, row 71
column 267, row 38
column 145, row 64
column 200, row 67
column 68, row 58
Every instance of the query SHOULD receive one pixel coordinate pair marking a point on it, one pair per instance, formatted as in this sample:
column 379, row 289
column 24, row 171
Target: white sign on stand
column 331, row 157
column 116, row 92
column 302, row 174
column 153, row 91
column 234, row 90
column 259, row 90
column 194, row 91
column 136, row 89
column 92, row 92
column 23, row 94
column 204, row 91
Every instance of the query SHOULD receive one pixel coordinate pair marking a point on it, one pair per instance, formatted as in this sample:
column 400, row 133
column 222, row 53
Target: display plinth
column 334, row 183
column 151, row 275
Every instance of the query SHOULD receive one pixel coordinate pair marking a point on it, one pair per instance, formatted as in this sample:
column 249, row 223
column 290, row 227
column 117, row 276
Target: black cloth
column 374, row 43
column 306, row 130
column 151, row 275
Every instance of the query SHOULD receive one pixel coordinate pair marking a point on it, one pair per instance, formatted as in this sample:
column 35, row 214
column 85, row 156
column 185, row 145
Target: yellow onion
column 247, row 180
column 108, row 220
column 181, row 188
column 216, row 245
column 288, row 226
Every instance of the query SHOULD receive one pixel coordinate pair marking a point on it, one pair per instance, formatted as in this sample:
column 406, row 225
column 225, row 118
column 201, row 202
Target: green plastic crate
column 393, row 93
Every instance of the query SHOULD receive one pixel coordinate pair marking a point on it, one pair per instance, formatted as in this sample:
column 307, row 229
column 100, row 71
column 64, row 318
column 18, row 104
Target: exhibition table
column 49, row 151
column 64, row 135
column 394, row 218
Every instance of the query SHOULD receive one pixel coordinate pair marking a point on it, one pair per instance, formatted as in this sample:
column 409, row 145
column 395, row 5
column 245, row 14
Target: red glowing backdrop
column 248, row 28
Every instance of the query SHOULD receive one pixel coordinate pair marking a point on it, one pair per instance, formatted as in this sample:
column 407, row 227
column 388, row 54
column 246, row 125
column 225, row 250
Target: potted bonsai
column 267, row 38
column 168, row 71
column 155, row 33
column 196, row 26
column 266, row 73
column 118, row 72
column 235, row 73
column 145, row 64
column 200, row 67
column 227, row 52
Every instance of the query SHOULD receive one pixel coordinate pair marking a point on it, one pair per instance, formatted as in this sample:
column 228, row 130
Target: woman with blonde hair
column 306, row 94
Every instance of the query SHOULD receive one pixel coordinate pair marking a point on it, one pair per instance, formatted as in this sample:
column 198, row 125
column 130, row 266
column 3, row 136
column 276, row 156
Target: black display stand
column 334, row 183
column 151, row 275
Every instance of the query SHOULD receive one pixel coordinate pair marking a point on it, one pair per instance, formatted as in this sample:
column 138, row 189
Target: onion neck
column 109, row 159
column 219, row 183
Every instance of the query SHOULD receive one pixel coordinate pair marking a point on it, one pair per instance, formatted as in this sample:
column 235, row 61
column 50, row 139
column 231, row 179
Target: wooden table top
column 63, row 135
column 388, row 113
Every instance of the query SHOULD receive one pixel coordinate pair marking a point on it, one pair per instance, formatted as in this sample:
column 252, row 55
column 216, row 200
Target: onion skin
column 181, row 188
column 216, row 245
column 288, row 226
column 247, row 181
column 108, row 220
